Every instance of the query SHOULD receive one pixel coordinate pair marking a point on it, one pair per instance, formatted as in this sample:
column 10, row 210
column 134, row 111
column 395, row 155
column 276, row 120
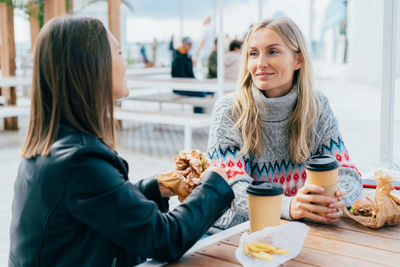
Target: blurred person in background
column 73, row 203
column 182, row 64
column 182, row 67
column 206, row 43
column 212, row 62
column 154, row 52
column 143, row 54
column 232, row 60
column 171, row 48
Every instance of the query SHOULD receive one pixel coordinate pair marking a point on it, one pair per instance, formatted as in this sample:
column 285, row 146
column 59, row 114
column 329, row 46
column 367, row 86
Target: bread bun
column 363, row 207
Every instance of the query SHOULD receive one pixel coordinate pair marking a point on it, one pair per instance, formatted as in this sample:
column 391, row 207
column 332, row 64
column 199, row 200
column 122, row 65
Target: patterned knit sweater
column 274, row 164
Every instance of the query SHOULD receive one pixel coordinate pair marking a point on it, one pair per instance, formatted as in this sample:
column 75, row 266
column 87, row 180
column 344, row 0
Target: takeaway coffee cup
column 323, row 171
column 265, row 201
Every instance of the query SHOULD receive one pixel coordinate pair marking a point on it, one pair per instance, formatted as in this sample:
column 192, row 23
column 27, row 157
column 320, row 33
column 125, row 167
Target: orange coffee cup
column 265, row 201
column 323, row 171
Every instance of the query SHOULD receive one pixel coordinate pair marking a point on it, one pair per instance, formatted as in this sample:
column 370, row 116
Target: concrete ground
column 149, row 149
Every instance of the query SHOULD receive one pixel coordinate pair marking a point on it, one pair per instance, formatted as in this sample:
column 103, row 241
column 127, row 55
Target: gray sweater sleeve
column 330, row 141
column 223, row 149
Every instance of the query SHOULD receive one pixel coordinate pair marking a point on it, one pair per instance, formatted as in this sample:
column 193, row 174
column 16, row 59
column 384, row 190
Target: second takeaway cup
column 265, row 201
column 323, row 171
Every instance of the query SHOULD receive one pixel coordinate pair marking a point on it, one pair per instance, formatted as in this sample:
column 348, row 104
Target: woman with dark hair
column 73, row 203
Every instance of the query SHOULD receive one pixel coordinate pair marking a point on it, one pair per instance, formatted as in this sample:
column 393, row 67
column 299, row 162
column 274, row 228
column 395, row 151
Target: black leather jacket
column 76, row 207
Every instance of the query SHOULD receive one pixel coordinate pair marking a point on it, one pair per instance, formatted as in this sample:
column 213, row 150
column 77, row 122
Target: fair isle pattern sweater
column 274, row 164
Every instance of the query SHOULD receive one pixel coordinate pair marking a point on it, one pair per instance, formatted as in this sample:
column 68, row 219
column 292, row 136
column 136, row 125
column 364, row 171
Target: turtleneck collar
column 278, row 108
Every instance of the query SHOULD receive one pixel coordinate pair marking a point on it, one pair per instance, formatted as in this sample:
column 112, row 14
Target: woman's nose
column 263, row 61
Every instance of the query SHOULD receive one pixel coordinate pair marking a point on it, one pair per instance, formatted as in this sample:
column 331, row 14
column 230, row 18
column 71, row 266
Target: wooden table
column 345, row 244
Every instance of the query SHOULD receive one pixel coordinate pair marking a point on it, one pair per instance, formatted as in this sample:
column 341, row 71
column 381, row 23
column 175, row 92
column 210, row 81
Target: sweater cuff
column 239, row 178
column 285, row 209
column 350, row 181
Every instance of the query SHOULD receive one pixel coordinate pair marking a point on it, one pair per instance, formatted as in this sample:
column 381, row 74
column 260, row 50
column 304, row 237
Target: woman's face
column 271, row 63
column 119, row 87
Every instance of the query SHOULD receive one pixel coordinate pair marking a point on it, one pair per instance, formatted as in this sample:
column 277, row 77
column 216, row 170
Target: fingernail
column 332, row 210
column 332, row 206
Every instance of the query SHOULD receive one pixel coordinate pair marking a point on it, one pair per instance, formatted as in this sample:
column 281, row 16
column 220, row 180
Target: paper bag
column 387, row 205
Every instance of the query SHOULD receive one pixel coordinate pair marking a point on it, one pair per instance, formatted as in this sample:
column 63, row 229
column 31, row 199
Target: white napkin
column 287, row 236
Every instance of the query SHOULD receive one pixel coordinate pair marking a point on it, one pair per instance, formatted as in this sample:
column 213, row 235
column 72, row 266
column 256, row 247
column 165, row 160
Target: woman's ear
column 299, row 60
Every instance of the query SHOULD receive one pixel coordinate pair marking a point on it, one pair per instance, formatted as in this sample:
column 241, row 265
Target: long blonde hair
column 71, row 83
column 245, row 111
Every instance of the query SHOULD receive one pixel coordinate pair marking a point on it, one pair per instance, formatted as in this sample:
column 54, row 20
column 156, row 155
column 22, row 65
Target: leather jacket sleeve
column 99, row 195
column 150, row 189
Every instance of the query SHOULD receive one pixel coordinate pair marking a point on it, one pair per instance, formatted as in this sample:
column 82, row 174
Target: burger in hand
column 195, row 162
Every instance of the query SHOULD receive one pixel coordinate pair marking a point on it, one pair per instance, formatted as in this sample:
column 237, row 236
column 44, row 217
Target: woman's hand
column 328, row 209
column 165, row 191
column 217, row 170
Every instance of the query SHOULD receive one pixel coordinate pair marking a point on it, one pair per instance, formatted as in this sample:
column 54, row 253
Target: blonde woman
column 273, row 123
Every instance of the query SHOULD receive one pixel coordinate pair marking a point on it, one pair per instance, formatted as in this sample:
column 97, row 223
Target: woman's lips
column 264, row 75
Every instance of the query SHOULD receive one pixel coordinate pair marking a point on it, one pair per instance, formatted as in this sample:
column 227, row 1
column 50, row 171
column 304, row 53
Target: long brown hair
column 246, row 112
column 71, row 83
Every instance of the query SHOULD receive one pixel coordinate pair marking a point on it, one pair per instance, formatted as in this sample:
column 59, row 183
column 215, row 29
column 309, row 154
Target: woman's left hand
column 339, row 205
column 304, row 205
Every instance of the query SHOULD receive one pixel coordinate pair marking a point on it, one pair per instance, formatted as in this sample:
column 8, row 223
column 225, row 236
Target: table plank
column 321, row 258
column 201, row 261
column 293, row 263
column 233, row 240
column 340, row 248
column 360, row 238
column 387, row 231
column 220, row 251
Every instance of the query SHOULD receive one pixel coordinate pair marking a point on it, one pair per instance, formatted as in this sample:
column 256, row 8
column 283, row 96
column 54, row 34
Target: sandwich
column 181, row 185
column 364, row 207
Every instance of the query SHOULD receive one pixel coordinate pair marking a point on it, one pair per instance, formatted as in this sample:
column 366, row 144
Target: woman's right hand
column 304, row 205
column 217, row 170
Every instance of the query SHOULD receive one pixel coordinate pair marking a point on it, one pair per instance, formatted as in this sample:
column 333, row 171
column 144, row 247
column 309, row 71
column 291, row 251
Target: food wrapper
column 387, row 205
column 288, row 236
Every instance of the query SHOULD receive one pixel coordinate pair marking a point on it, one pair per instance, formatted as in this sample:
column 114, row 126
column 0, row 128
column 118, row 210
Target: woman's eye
column 273, row 52
column 252, row 54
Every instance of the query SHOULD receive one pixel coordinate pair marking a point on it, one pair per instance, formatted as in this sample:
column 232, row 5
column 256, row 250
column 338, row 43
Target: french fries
column 262, row 251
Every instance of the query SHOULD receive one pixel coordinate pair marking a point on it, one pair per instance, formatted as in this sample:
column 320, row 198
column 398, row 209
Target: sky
column 161, row 18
